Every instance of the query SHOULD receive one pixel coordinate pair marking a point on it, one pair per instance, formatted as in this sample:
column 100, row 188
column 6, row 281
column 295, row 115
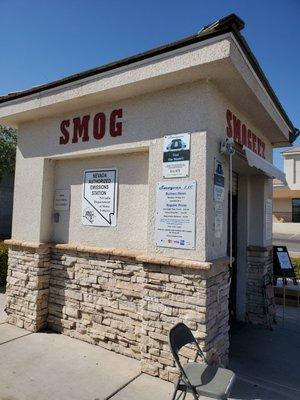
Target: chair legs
column 175, row 391
column 182, row 393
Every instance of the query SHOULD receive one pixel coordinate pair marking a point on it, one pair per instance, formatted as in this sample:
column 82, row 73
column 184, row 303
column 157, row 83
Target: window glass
column 296, row 210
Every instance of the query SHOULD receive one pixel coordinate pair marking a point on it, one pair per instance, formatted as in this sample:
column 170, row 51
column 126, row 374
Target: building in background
column 6, row 205
column 286, row 197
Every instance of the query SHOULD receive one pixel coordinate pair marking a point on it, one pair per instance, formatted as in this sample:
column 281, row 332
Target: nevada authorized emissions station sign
column 175, row 214
column 99, row 203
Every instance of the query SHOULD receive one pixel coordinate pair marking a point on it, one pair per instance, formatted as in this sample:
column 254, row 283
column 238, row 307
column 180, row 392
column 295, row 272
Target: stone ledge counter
column 124, row 194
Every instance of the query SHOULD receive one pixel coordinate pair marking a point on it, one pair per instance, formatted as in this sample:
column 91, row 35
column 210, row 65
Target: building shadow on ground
column 266, row 363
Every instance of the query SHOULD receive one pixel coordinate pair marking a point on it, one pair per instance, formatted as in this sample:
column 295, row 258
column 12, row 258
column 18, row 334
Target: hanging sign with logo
column 99, row 203
column 218, row 181
column 176, row 157
column 175, row 214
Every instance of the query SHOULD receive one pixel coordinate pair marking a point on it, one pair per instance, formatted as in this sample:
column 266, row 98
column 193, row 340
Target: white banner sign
column 175, row 214
column 99, row 203
column 176, row 158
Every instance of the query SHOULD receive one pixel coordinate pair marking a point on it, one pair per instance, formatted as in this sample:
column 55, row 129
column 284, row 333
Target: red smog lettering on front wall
column 80, row 127
column 244, row 136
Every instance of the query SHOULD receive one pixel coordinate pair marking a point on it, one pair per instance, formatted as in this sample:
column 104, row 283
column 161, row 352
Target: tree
column 8, row 143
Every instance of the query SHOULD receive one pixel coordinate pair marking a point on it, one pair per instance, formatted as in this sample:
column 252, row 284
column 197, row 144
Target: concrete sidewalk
column 40, row 366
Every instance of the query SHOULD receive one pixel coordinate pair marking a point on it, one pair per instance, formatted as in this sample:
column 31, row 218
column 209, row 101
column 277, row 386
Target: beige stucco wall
column 253, row 191
column 259, row 186
column 131, row 229
column 43, row 165
column 146, row 119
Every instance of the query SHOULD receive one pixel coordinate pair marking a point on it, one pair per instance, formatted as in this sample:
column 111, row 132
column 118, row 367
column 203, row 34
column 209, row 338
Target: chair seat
column 208, row 380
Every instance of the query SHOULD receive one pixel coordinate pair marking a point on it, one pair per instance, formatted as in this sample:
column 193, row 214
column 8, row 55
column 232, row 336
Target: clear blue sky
column 43, row 40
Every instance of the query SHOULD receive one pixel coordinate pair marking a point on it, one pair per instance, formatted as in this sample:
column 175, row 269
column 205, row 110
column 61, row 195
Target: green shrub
column 296, row 264
column 3, row 263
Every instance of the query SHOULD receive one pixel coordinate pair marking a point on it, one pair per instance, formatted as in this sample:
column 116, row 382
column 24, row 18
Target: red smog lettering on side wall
column 79, row 127
column 244, row 136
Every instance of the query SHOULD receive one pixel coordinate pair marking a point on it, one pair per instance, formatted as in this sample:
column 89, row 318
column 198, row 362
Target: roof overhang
column 248, row 163
column 218, row 53
column 264, row 166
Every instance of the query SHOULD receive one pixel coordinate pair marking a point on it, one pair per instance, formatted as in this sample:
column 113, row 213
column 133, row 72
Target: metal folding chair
column 199, row 379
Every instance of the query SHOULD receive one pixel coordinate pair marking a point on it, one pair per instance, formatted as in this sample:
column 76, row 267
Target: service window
column 296, row 210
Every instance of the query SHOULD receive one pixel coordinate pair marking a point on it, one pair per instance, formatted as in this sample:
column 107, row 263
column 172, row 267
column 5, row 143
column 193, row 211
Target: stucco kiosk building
column 120, row 223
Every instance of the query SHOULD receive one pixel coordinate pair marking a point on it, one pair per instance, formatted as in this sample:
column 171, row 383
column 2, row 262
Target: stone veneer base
column 123, row 301
column 259, row 265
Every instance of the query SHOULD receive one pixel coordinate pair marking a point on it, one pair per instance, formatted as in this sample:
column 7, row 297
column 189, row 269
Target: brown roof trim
column 231, row 23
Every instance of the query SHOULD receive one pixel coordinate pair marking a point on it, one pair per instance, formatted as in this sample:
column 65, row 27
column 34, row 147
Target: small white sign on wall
column 175, row 214
column 218, row 181
column 218, row 219
column 62, row 200
column 176, row 156
column 269, row 217
column 99, row 202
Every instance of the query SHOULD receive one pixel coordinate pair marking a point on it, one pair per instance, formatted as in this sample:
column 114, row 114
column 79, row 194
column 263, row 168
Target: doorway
column 233, row 270
column 296, row 210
